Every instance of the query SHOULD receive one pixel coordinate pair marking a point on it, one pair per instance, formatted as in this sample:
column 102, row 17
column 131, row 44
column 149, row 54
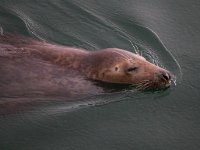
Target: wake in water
column 56, row 80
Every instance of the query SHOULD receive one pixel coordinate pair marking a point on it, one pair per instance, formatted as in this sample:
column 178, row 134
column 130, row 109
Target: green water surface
column 165, row 120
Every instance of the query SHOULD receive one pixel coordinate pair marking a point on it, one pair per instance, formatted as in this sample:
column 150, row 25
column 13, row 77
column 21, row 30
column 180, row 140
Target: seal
column 34, row 72
column 110, row 65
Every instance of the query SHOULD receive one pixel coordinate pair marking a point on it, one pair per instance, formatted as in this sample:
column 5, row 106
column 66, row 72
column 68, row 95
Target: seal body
column 111, row 65
column 32, row 69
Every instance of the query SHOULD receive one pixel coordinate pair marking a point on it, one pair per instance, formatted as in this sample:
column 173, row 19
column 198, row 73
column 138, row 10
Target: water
column 166, row 32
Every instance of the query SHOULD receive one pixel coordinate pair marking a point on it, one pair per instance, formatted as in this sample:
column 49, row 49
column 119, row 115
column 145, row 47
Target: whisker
column 140, row 86
column 134, row 46
column 142, row 82
column 146, row 87
column 124, row 56
column 138, row 50
column 143, row 85
column 140, row 53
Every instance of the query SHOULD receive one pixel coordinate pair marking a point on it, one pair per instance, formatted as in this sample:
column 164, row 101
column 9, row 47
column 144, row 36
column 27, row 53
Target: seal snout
column 165, row 78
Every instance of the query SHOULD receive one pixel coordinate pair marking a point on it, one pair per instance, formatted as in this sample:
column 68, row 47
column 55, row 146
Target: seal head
column 119, row 66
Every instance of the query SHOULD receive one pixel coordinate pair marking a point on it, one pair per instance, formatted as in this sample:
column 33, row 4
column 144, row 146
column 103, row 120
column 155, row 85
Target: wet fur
column 34, row 71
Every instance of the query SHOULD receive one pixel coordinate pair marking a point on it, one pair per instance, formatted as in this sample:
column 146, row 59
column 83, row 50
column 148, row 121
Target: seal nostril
column 165, row 75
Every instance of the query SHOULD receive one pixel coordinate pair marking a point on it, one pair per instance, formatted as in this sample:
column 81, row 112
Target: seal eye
column 116, row 68
column 132, row 69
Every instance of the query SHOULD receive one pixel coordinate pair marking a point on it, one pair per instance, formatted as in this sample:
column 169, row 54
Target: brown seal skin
column 111, row 65
column 34, row 72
